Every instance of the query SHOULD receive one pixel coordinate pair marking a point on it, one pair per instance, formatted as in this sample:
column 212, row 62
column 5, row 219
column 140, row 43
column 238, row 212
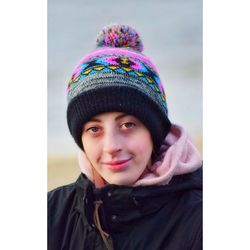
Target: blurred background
column 171, row 31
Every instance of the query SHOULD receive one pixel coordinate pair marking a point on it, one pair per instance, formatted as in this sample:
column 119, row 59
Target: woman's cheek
column 143, row 146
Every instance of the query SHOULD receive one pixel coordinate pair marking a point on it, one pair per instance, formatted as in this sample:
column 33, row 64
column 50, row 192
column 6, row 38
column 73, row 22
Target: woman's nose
column 111, row 143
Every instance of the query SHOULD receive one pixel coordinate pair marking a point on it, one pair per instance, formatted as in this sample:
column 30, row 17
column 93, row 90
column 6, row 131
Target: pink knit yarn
column 107, row 51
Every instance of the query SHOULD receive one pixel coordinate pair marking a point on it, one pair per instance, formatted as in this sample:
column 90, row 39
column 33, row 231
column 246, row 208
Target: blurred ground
column 62, row 170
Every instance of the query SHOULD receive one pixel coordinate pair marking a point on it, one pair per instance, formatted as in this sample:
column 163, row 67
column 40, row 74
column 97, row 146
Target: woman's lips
column 116, row 165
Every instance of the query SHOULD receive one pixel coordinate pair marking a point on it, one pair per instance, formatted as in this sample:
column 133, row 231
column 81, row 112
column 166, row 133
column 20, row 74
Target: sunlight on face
column 118, row 146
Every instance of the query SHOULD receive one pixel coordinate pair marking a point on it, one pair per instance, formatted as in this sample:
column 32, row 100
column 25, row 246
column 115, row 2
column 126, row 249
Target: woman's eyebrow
column 94, row 120
column 121, row 116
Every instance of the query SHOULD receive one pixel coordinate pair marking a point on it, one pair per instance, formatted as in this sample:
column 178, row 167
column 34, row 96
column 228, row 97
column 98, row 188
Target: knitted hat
column 117, row 77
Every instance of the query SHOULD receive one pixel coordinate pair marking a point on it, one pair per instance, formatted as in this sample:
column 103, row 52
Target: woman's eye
column 93, row 130
column 128, row 125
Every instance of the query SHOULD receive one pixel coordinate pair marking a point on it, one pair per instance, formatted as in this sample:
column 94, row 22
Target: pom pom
column 119, row 36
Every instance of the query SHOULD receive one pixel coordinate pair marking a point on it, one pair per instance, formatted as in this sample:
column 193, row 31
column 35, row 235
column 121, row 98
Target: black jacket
column 137, row 218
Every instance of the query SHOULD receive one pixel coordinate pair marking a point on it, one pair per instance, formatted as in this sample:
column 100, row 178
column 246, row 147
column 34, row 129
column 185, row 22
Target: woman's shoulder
column 60, row 200
column 61, row 195
column 66, row 195
column 64, row 191
column 68, row 190
column 63, row 204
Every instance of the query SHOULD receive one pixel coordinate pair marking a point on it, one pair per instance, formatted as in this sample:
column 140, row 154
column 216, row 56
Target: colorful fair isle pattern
column 119, row 64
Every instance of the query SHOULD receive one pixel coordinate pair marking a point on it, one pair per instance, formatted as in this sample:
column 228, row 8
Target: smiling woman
column 118, row 146
column 140, row 186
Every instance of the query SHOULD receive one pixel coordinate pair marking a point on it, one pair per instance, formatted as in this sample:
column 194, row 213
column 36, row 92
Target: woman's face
column 118, row 146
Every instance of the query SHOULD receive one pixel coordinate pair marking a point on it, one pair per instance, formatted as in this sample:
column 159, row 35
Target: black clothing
column 165, row 217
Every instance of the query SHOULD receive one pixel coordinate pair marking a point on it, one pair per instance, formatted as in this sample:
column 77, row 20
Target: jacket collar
column 123, row 204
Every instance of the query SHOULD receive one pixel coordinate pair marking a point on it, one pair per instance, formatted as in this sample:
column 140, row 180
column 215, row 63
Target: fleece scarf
column 177, row 156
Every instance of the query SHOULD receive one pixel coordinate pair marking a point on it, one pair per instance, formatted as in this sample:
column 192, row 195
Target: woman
column 140, row 186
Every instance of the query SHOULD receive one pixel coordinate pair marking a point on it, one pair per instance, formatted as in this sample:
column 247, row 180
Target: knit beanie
column 117, row 77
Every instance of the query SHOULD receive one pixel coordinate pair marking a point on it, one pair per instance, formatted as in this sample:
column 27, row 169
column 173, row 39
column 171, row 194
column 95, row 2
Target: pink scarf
column 177, row 156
